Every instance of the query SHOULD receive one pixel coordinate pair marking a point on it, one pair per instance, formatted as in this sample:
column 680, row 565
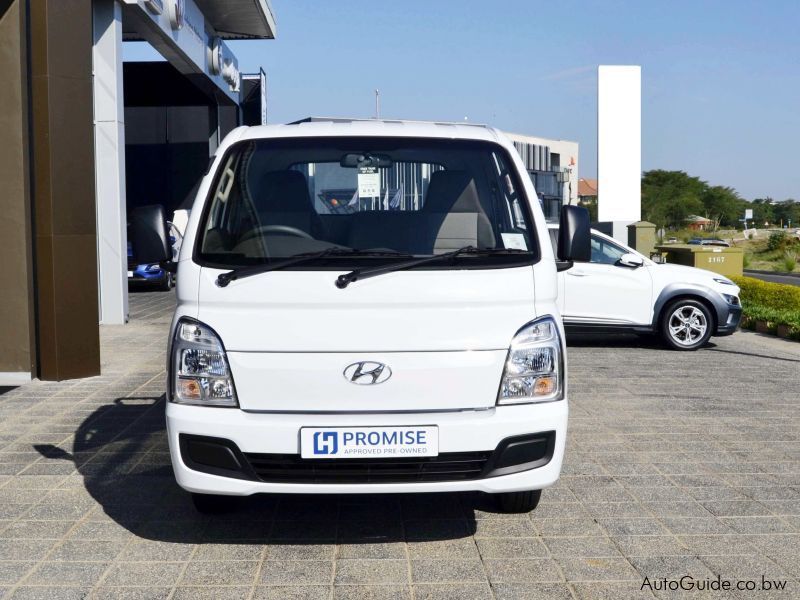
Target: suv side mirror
column 574, row 242
column 631, row 260
column 148, row 234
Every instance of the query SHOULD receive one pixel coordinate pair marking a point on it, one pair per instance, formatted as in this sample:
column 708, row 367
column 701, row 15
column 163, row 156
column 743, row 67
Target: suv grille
column 290, row 468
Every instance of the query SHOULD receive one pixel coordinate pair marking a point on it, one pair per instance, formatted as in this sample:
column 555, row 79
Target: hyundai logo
column 367, row 373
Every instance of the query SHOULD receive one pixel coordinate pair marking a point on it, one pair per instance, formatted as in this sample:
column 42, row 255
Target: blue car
column 148, row 274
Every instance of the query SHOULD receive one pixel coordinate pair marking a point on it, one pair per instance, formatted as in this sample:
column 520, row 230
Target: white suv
column 621, row 290
column 367, row 307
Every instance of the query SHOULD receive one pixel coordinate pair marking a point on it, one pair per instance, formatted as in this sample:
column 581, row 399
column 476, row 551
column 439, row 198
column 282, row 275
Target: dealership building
column 553, row 167
column 85, row 136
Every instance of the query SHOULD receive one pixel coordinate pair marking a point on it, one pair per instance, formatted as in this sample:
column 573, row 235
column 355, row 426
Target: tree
column 762, row 211
column 722, row 205
column 669, row 197
column 787, row 212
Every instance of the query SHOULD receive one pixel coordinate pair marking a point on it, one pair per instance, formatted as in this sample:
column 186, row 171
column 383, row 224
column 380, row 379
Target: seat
column 282, row 198
column 455, row 215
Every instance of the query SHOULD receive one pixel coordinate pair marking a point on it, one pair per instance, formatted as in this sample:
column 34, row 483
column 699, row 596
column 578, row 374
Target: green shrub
column 775, row 303
column 777, row 240
column 746, row 258
column 789, row 261
column 769, row 295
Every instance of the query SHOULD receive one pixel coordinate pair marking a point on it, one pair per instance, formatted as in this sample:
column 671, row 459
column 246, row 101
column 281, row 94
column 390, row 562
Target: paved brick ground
column 677, row 464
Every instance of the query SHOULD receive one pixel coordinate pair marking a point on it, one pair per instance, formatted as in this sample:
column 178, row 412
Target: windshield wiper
column 344, row 280
column 223, row 279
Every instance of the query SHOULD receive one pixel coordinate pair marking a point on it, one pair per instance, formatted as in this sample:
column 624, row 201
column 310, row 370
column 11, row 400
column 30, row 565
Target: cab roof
column 317, row 127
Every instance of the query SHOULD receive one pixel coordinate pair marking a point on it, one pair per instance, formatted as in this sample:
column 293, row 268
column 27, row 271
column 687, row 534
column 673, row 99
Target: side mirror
column 631, row 260
column 574, row 241
column 148, row 234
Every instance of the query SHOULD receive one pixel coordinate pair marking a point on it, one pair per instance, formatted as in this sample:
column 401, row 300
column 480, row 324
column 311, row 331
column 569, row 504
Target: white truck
column 366, row 307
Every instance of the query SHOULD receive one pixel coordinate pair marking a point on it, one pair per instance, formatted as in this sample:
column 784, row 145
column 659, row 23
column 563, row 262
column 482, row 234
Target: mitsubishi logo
column 367, row 373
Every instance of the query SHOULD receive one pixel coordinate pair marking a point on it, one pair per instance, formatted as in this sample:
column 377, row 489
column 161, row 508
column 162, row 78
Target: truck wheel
column 686, row 325
column 211, row 504
column 519, row 502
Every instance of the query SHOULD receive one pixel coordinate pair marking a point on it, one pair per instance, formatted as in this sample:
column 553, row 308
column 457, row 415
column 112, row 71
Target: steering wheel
column 267, row 229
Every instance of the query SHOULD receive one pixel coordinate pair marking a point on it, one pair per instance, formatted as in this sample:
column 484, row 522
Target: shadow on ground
column 646, row 341
column 121, row 451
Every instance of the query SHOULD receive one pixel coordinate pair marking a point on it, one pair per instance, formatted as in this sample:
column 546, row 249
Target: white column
column 109, row 148
column 619, row 146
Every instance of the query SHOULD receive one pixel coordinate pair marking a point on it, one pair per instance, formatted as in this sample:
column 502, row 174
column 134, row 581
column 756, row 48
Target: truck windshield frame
column 272, row 199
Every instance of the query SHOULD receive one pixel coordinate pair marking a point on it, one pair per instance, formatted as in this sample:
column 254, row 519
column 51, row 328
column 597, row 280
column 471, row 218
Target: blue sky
column 720, row 79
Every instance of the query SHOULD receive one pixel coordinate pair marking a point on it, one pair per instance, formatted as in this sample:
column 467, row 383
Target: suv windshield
column 372, row 200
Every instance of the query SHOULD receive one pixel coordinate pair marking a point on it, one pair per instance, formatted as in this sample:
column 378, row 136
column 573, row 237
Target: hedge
column 777, row 296
column 775, row 303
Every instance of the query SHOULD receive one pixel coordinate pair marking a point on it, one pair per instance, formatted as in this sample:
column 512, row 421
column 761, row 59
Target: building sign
column 182, row 25
column 177, row 13
column 154, row 6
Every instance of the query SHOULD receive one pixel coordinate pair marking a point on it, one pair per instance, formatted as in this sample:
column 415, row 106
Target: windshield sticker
column 369, row 182
column 514, row 241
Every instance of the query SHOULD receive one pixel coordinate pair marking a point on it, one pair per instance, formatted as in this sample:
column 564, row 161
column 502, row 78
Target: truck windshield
column 386, row 199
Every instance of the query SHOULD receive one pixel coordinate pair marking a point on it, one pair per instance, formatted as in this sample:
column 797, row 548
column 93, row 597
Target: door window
column 605, row 252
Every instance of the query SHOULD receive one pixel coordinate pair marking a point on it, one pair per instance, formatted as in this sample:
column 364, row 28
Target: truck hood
column 432, row 310
column 293, row 339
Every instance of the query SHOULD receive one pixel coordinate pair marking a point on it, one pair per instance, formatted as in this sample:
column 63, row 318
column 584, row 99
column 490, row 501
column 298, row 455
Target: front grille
column 290, row 468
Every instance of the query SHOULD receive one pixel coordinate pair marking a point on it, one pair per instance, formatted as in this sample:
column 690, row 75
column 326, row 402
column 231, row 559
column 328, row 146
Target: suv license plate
column 369, row 442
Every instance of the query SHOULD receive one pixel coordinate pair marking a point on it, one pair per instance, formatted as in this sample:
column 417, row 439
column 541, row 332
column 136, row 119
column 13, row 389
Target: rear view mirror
column 574, row 243
column 631, row 260
column 365, row 160
column 148, row 234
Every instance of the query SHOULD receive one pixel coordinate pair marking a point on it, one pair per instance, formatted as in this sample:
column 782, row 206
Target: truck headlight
column 534, row 366
column 200, row 373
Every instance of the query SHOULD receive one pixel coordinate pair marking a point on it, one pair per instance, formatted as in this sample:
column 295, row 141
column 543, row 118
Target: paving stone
column 143, row 573
column 522, row 570
column 67, row 573
column 132, row 593
column 384, row 571
column 12, row 571
column 44, row 592
column 598, row 590
column 671, row 567
column 371, row 592
column 453, row 591
column 531, row 591
column 293, row 592
column 447, row 570
column 512, row 548
column 219, row 573
column 581, row 546
column 596, row 569
column 285, row 572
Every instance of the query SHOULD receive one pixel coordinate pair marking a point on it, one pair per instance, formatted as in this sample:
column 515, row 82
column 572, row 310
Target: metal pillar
column 109, row 144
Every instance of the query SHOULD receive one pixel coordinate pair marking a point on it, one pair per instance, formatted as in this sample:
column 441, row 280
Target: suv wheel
column 686, row 325
column 518, row 502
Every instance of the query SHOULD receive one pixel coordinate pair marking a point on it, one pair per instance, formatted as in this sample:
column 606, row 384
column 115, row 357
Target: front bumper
column 729, row 320
column 271, row 433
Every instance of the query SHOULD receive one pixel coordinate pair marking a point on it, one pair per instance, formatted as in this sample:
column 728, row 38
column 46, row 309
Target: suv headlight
column 534, row 366
column 199, row 368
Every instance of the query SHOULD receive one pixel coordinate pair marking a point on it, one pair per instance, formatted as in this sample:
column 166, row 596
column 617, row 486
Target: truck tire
column 686, row 324
column 518, row 502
